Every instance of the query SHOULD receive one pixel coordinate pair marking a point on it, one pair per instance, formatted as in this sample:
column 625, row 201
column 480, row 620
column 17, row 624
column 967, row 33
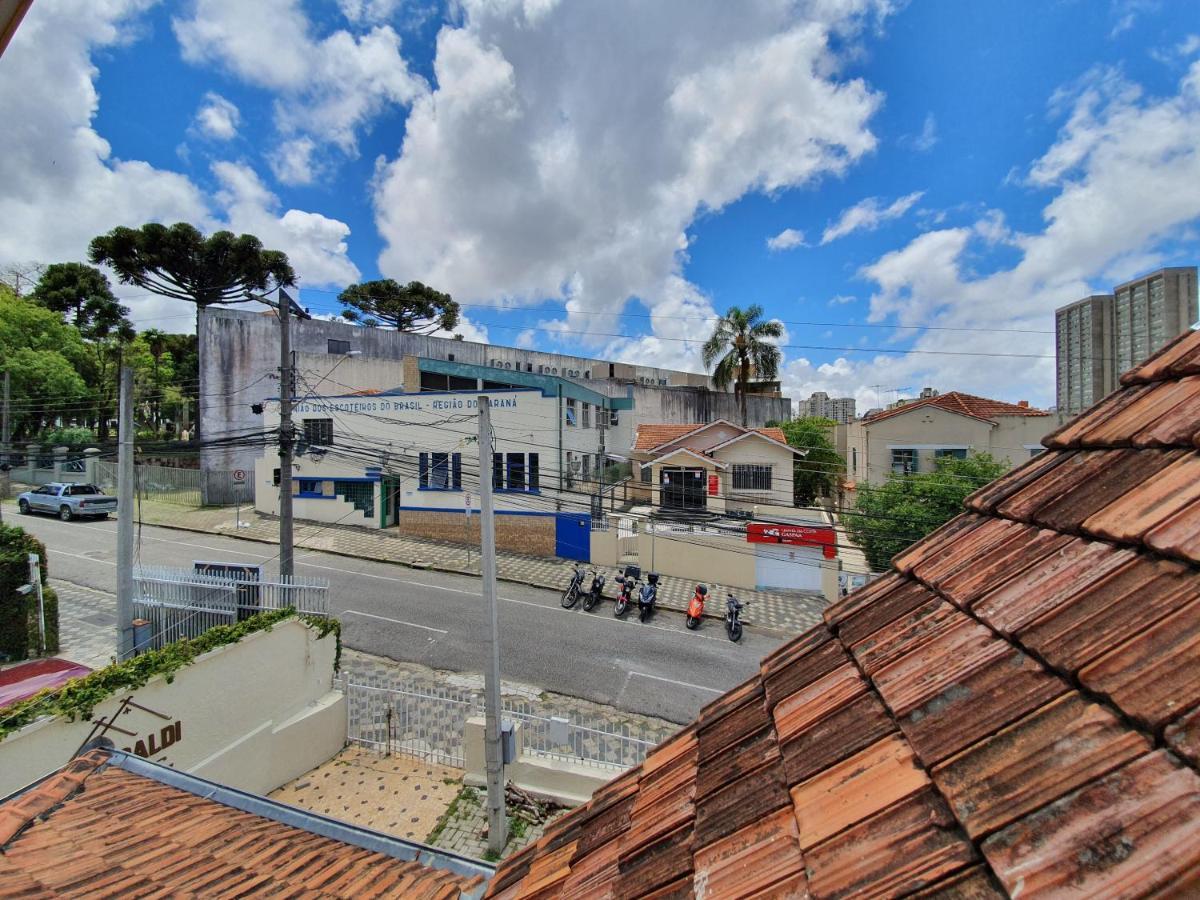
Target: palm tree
column 739, row 342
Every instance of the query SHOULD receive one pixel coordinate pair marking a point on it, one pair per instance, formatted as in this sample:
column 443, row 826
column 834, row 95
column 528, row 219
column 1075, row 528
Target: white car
column 68, row 501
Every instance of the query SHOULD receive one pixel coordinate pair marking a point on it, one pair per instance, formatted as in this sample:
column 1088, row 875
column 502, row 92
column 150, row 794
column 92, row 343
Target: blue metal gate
column 573, row 536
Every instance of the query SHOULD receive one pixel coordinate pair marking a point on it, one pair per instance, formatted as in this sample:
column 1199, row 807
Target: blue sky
column 911, row 187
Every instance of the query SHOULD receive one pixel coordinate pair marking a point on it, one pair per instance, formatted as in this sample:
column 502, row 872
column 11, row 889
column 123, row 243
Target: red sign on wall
column 714, row 484
column 803, row 535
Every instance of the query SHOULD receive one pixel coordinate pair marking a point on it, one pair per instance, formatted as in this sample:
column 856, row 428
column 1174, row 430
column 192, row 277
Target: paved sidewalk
column 87, row 624
column 791, row 612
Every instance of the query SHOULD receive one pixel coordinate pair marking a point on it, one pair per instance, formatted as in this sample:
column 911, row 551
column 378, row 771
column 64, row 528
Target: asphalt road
column 438, row 620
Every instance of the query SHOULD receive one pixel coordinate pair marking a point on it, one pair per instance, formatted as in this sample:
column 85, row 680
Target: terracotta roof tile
column 1005, row 776
column 178, row 843
column 1125, row 834
column 905, row 846
column 651, row 435
column 1016, row 708
column 964, row 404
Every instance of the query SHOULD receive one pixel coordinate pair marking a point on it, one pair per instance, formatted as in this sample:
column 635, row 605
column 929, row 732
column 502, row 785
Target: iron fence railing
column 186, row 487
column 180, row 603
column 429, row 723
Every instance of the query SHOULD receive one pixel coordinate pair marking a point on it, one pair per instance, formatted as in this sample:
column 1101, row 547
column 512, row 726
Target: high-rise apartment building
column 1102, row 336
column 821, row 405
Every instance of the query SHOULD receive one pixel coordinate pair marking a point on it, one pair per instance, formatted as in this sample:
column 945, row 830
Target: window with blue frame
column 952, row 453
column 516, row 472
column 440, row 471
column 310, row 487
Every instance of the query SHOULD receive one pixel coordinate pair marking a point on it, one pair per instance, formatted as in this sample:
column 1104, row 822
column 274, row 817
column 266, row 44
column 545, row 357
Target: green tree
column 82, row 295
column 889, row 518
column 154, row 371
column 817, row 473
column 740, row 342
column 181, row 263
column 44, row 357
column 413, row 307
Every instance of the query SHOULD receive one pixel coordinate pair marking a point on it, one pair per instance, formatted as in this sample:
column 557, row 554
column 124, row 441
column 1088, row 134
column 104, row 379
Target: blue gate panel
column 573, row 536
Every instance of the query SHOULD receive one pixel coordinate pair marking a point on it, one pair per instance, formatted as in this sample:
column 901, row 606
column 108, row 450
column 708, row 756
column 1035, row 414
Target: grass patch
column 491, row 855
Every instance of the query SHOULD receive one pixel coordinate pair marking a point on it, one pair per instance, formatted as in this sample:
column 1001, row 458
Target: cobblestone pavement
column 87, row 624
column 464, row 829
column 791, row 612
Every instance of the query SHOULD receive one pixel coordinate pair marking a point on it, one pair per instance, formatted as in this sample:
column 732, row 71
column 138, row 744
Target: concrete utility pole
column 35, row 579
column 287, row 565
column 493, row 753
column 125, row 517
column 5, row 452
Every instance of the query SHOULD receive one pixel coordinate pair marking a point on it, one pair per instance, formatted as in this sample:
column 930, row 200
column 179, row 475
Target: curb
column 431, row 567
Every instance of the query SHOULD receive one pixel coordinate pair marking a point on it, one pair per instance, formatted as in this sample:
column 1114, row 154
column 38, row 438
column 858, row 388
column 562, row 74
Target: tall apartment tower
column 821, row 405
column 1102, row 336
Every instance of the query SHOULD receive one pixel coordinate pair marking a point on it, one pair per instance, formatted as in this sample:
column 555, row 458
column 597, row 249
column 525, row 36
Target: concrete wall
column 697, row 557
column 251, row 715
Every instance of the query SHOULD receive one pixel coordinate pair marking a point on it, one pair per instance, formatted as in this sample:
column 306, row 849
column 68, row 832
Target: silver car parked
column 68, row 501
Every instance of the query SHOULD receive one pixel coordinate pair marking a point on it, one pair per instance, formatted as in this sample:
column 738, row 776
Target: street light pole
column 125, row 517
column 286, row 558
column 493, row 753
column 5, row 452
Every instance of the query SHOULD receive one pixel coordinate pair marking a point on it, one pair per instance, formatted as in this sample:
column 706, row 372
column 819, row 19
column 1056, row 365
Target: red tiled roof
column 964, row 404
column 650, row 435
column 98, row 830
column 1014, row 710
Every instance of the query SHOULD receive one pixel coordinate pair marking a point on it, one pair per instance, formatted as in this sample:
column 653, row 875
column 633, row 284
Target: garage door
column 789, row 567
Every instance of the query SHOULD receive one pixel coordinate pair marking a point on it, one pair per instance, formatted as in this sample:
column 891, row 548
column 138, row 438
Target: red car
column 28, row 678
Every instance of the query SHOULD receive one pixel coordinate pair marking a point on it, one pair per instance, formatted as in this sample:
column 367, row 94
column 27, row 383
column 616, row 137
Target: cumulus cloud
column 327, row 89
column 64, row 186
column 292, row 161
column 1115, row 148
column 786, row 240
column 217, row 118
column 546, row 166
column 867, row 215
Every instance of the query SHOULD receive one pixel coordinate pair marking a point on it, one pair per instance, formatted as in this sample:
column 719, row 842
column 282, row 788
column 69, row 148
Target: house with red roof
column 910, row 438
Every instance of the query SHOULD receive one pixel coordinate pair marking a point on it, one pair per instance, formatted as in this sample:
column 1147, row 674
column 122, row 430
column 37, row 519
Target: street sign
column 239, row 476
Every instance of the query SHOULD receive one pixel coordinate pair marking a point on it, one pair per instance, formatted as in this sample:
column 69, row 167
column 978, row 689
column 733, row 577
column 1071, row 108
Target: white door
column 788, row 567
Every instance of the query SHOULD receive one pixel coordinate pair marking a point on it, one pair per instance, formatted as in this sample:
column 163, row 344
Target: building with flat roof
column 1102, row 336
column 820, row 405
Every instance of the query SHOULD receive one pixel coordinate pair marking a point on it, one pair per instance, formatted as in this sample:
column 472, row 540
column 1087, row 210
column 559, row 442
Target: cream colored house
column 910, row 438
column 716, row 468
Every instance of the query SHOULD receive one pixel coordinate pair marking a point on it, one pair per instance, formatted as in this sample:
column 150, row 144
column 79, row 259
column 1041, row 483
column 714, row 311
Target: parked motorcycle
column 571, row 595
column 733, row 617
column 647, row 597
column 695, row 610
column 595, row 594
column 628, row 589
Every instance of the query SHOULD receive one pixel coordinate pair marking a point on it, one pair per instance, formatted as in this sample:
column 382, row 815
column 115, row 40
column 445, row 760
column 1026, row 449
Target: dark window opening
column 360, row 493
column 497, row 471
column 336, row 346
column 516, row 471
column 751, row 478
column 311, row 486
column 318, row 432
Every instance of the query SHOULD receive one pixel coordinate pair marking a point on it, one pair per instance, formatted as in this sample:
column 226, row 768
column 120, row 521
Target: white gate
column 787, row 567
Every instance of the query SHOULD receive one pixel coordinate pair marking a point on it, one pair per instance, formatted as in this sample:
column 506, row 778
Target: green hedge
column 19, row 613
column 79, row 697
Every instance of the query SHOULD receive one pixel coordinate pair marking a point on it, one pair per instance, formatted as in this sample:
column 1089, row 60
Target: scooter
column 571, row 595
column 595, row 594
column 647, row 597
column 695, row 610
column 733, row 617
column 628, row 581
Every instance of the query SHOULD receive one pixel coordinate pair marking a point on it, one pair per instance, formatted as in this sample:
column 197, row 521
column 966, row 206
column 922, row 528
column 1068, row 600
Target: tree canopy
column 82, row 294
column 889, row 518
column 412, row 307
column 816, row 474
column 739, row 343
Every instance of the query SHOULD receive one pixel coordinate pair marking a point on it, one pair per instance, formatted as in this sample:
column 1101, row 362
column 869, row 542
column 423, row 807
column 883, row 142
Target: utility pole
column 35, row 579
column 286, row 560
column 125, row 517
column 5, row 450
column 493, row 753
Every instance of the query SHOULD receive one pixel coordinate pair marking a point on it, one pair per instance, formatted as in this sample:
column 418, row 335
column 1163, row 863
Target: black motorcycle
column 733, row 617
column 647, row 597
column 627, row 590
column 571, row 595
column 595, row 594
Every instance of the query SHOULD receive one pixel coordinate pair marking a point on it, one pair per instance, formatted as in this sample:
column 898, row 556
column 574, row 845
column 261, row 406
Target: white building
column 820, row 405
column 411, row 462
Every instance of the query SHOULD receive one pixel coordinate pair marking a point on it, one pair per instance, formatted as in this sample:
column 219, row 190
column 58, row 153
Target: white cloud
column 841, row 299
column 328, row 89
column 867, row 215
column 786, row 240
column 1116, row 148
column 217, row 117
column 545, row 166
column 292, row 161
column 64, row 186
column 926, row 139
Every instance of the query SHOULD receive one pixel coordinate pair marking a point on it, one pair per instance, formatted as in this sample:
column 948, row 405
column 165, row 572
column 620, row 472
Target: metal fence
column 179, row 603
column 187, row 487
column 429, row 723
